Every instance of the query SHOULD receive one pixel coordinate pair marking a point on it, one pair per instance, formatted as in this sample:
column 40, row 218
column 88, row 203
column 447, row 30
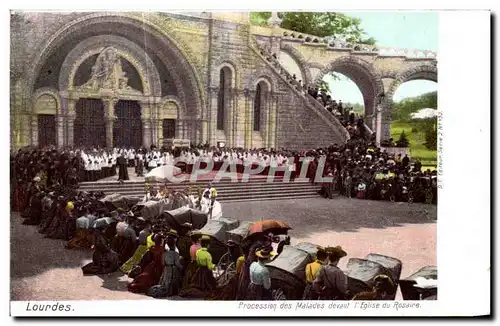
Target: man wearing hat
column 260, row 279
column 312, row 270
column 331, row 282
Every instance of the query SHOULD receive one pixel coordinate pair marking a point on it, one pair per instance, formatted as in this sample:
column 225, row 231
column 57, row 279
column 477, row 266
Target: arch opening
column 362, row 74
column 178, row 76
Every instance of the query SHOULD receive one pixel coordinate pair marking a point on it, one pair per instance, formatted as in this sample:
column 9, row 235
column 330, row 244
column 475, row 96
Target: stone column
column 59, row 131
column 146, row 132
column 70, row 122
column 249, row 96
column 386, row 125
column 212, row 123
column 379, row 125
column 34, row 130
column 109, row 119
column 204, row 131
column 159, row 132
column 272, row 121
column 266, row 123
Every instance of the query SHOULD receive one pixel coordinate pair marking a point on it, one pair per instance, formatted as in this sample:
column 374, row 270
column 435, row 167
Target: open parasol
column 103, row 222
column 164, row 173
column 267, row 225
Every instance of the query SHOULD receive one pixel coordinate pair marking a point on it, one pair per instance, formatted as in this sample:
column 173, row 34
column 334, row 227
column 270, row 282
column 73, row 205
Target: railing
column 299, row 88
column 333, row 43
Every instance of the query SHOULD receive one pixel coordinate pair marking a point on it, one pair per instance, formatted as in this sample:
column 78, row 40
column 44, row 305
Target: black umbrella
column 103, row 222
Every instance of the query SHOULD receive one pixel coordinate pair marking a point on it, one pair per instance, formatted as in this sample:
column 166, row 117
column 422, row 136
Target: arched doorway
column 46, row 130
column 127, row 129
column 89, row 125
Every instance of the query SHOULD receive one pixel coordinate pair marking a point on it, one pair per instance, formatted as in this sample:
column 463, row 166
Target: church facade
column 136, row 79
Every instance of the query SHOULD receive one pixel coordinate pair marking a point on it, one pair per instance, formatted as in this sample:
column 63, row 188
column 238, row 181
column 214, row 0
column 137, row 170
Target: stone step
column 245, row 196
column 229, row 192
column 184, row 186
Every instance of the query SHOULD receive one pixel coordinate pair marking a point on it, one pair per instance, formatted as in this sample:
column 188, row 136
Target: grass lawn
column 417, row 140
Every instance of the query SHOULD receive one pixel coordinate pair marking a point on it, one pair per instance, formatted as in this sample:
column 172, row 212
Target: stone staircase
column 309, row 101
column 255, row 189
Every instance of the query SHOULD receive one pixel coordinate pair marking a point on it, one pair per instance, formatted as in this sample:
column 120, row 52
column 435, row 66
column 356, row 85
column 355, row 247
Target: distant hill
column 403, row 109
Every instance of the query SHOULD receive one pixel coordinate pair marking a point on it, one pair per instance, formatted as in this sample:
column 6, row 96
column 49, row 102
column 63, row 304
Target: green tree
column 403, row 140
column 320, row 24
column 403, row 109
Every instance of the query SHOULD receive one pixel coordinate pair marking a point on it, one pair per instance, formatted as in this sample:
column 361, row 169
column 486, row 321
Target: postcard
column 253, row 163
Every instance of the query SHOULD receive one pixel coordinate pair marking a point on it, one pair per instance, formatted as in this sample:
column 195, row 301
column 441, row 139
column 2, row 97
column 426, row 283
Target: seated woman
column 104, row 260
column 203, row 281
column 124, row 242
column 170, row 281
column 151, row 268
column 192, row 266
column 83, row 235
column 145, row 242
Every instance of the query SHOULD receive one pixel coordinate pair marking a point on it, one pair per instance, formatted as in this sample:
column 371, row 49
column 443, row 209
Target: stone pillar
column 146, row 132
column 70, row 122
column 71, row 129
column 204, row 131
column 386, row 125
column 60, row 131
column 273, row 105
column 266, row 123
column 249, row 96
column 159, row 132
column 378, row 126
column 109, row 119
column 212, row 123
column 34, row 130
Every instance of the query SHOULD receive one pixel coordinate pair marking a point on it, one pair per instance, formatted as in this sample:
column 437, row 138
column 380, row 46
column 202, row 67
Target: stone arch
column 46, row 92
column 130, row 51
column 161, row 41
column 362, row 73
column 235, row 78
column 301, row 61
column 165, row 101
column 267, row 80
column 426, row 72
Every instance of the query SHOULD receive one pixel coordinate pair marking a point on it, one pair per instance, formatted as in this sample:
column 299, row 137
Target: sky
column 413, row 30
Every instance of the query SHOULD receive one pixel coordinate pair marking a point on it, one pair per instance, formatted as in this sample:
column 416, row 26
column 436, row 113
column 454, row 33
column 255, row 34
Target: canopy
column 392, row 265
column 151, row 209
column 407, row 285
column 292, row 261
column 119, row 201
column 218, row 228
column 175, row 218
column 361, row 273
column 240, row 233
column 308, row 247
column 164, row 172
